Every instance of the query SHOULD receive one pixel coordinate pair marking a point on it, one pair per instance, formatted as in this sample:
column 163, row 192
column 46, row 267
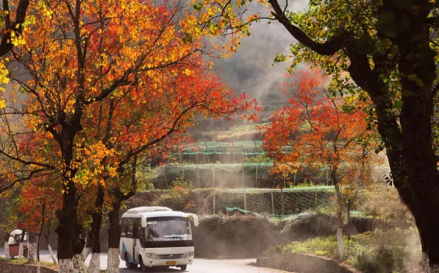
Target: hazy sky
column 249, row 69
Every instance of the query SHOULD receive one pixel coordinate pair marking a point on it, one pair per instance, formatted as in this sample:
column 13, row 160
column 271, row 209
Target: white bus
column 156, row 237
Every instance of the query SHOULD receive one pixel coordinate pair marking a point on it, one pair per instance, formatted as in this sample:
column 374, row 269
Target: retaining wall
column 302, row 263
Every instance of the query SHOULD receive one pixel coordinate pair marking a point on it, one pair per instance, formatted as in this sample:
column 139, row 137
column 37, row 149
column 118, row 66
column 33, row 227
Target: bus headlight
column 188, row 254
column 152, row 256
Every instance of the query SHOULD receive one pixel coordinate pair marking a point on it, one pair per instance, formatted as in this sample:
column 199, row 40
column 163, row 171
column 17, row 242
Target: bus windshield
column 168, row 229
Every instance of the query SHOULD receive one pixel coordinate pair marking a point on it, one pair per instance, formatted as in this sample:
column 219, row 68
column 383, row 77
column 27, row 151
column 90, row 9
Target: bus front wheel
column 128, row 264
column 143, row 267
column 183, row 267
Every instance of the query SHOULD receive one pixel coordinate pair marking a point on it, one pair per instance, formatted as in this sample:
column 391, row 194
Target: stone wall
column 302, row 263
column 17, row 268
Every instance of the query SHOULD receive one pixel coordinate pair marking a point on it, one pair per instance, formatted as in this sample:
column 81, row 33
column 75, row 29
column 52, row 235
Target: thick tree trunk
column 95, row 263
column 20, row 251
column 428, row 267
column 419, row 187
column 65, row 266
column 67, row 222
column 410, row 149
column 31, row 249
column 113, row 216
column 95, row 229
column 113, row 239
column 78, row 263
column 70, row 243
column 78, row 246
column 7, row 256
column 31, row 253
column 6, row 239
column 113, row 260
column 407, row 137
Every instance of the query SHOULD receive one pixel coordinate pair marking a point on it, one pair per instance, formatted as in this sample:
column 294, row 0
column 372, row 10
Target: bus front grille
column 171, row 256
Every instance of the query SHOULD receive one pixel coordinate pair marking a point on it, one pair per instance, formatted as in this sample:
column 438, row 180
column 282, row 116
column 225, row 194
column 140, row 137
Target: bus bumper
column 178, row 262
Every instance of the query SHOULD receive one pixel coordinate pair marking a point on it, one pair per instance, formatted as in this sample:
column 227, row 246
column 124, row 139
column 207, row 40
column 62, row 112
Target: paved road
column 215, row 266
column 199, row 265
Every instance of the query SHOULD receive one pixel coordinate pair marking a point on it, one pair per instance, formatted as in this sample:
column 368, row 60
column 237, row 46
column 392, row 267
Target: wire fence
column 257, row 175
column 238, row 175
column 272, row 202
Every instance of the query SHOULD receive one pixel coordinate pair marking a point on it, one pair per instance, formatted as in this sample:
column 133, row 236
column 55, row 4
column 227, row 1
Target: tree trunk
column 407, row 137
column 113, row 239
column 7, row 256
column 87, row 248
column 428, row 267
column 348, row 216
column 51, row 254
column 70, row 241
column 95, row 263
column 20, row 251
column 78, row 263
column 340, row 242
column 419, row 184
column 31, row 251
column 78, row 246
column 66, row 234
column 65, row 266
column 113, row 216
column 94, row 266
column 113, row 260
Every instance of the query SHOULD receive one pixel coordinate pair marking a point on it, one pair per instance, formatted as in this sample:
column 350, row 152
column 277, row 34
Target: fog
column 250, row 69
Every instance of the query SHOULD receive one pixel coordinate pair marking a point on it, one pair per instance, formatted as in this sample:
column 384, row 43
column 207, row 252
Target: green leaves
column 416, row 79
column 280, row 58
column 198, row 6
column 398, row 104
column 188, row 38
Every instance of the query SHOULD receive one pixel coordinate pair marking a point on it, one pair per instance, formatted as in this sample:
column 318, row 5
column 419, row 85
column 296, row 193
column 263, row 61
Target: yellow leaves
column 44, row 9
column 187, row 72
column 2, row 104
column 4, row 79
column 91, row 164
column 253, row 17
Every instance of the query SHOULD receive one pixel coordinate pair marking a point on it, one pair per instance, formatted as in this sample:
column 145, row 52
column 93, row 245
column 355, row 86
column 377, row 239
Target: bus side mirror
column 194, row 217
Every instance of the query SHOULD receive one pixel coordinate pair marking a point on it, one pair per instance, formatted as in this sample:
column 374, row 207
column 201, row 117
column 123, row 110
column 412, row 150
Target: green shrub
column 179, row 193
column 385, row 259
column 372, row 252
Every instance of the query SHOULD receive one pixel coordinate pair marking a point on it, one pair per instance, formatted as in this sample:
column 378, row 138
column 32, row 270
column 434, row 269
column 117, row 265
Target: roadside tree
column 313, row 131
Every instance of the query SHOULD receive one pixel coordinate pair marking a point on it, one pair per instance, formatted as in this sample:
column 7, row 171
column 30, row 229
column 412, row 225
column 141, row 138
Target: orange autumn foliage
column 314, row 130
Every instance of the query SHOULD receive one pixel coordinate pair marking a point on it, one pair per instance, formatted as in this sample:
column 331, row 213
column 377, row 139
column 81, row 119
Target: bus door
column 135, row 236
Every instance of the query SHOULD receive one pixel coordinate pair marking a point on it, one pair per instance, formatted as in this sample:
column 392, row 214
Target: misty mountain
column 252, row 70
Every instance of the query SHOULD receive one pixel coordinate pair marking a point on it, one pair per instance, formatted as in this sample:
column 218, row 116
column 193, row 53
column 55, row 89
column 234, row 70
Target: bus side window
column 123, row 228
column 138, row 226
column 130, row 228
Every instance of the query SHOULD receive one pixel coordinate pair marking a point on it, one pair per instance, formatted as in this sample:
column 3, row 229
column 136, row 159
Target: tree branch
column 5, row 44
column 328, row 48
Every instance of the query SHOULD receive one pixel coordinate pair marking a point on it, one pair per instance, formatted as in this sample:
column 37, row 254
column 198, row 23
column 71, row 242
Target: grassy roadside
column 390, row 251
column 42, row 264
column 24, row 261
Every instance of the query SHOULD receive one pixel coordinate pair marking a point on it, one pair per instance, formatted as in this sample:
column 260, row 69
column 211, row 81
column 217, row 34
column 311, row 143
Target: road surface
column 199, row 265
